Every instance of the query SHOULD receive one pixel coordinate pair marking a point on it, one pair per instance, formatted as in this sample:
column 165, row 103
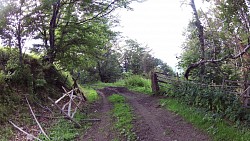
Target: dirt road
column 152, row 123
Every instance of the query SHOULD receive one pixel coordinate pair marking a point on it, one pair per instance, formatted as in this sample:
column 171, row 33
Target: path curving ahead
column 153, row 123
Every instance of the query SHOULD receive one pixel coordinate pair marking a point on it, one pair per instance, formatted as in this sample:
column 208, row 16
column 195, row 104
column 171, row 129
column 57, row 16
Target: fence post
column 154, row 83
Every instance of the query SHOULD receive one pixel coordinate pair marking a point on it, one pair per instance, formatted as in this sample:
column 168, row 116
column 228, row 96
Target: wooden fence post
column 154, row 83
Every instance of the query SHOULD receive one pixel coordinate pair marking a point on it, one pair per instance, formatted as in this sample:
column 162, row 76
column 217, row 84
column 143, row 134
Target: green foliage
column 139, row 84
column 137, row 58
column 2, row 78
column 40, row 82
column 207, row 121
column 90, row 94
column 212, row 99
column 115, row 98
column 6, row 132
column 123, row 115
column 64, row 130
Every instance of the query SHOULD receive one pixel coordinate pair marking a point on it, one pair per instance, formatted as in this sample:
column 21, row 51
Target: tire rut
column 154, row 123
column 101, row 131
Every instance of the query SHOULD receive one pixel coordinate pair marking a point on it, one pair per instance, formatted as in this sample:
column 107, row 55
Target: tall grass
column 217, row 128
column 139, row 84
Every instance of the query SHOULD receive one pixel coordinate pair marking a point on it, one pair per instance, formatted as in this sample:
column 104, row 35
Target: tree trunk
column 19, row 43
column 53, row 26
column 102, row 77
column 201, row 37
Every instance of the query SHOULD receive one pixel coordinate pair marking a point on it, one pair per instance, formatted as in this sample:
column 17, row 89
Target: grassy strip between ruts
column 215, row 127
column 123, row 115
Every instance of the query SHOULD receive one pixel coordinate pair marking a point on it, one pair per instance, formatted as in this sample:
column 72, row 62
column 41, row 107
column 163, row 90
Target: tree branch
column 202, row 62
column 36, row 119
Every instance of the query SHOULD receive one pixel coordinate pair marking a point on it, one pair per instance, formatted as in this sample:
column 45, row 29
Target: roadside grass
column 217, row 128
column 122, row 113
column 90, row 94
column 64, row 130
column 134, row 83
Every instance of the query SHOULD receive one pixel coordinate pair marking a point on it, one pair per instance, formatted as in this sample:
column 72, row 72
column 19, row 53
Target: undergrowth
column 123, row 116
column 216, row 100
column 217, row 128
column 139, row 84
column 64, row 130
column 90, row 94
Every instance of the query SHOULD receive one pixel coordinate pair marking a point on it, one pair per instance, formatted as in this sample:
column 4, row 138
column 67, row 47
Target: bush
column 212, row 99
column 137, row 81
column 138, row 84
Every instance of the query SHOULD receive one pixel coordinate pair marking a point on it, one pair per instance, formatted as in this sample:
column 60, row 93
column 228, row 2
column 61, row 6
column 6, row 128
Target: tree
column 109, row 67
column 133, row 56
column 13, row 24
column 225, row 41
column 58, row 18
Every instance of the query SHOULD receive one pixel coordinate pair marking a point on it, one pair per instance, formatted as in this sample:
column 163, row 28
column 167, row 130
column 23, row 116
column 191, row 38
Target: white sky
column 159, row 24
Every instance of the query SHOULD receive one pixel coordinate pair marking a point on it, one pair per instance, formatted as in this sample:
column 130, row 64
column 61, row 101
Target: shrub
column 137, row 81
column 212, row 99
column 138, row 84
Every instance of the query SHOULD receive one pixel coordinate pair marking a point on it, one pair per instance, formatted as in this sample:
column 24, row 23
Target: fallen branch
column 50, row 117
column 63, row 96
column 20, row 129
column 36, row 119
column 70, row 102
column 76, row 123
column 90, row 119
column 76, row 109
column 201, row 62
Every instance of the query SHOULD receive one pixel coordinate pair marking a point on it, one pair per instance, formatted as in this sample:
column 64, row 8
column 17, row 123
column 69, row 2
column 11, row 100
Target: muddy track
column 103, row 130
column 152, row 123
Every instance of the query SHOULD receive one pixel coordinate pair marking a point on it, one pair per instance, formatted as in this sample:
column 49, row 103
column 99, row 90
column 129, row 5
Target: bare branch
column 68, row 117
column 20, row 129
column 70, row 102
column 201, row 62
column 36, row 119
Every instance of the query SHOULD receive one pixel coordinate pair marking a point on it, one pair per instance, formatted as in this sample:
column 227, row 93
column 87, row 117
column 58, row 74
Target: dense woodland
column 75, row 38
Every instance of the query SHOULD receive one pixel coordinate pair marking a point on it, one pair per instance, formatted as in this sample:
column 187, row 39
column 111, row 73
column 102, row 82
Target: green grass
column 139, row 84
column 90, row 94
column 6, row 132
column 64, row 130
column 134, row 83
column 218, row 129
column 123, row 115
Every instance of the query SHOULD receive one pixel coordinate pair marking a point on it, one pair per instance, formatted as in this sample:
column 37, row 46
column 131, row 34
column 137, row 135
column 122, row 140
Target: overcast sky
column 159, row 24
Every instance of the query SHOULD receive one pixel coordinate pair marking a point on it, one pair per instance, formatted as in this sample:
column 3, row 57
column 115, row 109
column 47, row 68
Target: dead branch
column 65, row 105
column 90, row 119
column 43, row 116
column 201, row 62
column 36, row 119
column 20, row 129
column 70, row 101
column 68, row 117
column 66, row 93
column 76, row 109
